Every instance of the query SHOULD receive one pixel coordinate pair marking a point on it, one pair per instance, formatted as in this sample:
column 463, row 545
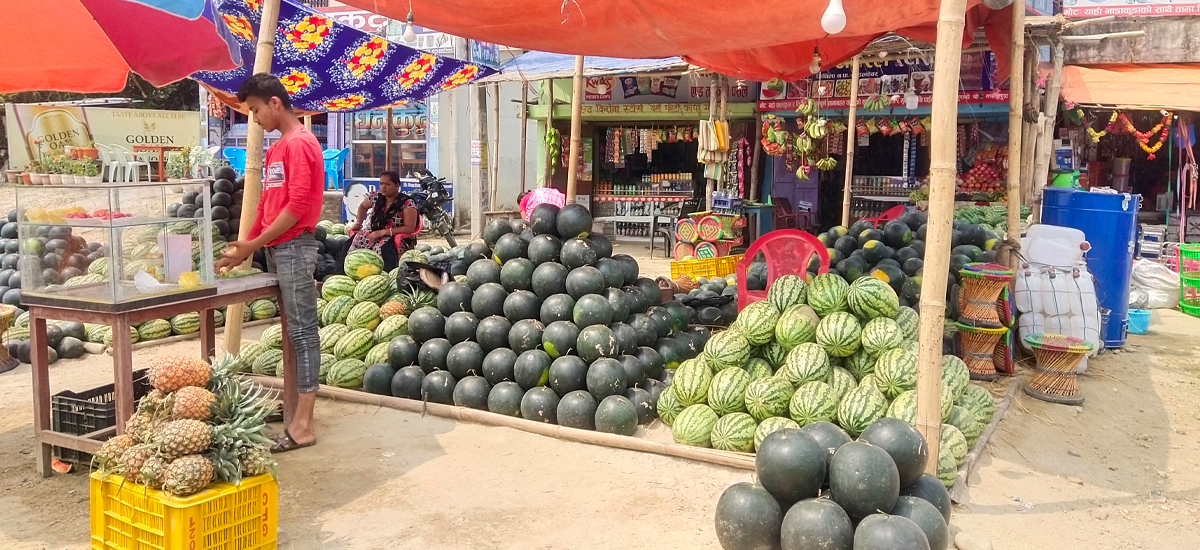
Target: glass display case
column 117, row 246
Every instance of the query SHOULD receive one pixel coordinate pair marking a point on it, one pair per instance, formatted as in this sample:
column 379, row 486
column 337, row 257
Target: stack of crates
column 1151, row 240
column 1189, row 279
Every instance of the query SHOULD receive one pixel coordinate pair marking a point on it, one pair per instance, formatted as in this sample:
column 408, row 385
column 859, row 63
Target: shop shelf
column 128, row 516
column 87, row 412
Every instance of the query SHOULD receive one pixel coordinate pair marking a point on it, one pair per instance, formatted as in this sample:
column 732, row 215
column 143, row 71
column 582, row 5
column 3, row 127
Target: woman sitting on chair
column 391, row 214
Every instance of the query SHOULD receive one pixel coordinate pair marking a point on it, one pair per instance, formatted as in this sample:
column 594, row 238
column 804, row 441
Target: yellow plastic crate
column 128, row 516
column 709, row 268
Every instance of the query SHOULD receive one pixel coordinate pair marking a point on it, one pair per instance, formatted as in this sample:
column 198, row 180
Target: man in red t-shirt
column 293, row 186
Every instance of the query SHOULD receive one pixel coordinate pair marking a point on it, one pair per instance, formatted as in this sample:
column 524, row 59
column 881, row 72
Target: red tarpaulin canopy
column 754, row 39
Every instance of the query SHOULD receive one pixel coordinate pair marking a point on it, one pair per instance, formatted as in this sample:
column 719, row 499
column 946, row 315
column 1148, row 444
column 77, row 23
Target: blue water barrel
column 1109, row 221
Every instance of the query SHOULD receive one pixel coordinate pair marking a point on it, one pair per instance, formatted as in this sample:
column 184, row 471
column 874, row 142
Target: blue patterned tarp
column 329, row 67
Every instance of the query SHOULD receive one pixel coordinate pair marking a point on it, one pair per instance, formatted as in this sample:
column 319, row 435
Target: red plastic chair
column 887, row 216
column 787, row 252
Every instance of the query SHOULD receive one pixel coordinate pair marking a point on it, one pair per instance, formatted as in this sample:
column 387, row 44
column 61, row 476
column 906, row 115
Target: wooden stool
column 1057, row 357
column 982, row 284
column 978, row 345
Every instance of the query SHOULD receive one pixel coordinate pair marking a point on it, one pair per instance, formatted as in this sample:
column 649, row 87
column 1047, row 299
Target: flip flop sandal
column 285, row 443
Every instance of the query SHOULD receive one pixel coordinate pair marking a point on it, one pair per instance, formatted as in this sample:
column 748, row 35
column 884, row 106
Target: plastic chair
column 131, row 164
column 787, row 252
column 109, row 160
column 666, row 230
column 887, row 215
column 206, row 168
column 236, row 157
column 335, row 159
column 785, row 217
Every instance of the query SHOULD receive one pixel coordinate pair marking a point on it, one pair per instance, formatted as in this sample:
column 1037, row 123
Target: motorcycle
column 430, row 200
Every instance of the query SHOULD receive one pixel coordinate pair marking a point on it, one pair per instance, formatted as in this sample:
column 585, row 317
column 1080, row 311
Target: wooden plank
column 48, row 438
column 208, row 334
column 39, row 356
column 122, row 371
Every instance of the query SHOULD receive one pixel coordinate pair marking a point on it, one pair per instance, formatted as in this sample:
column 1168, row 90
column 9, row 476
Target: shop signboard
column 978, row 83
column 1126, row 8
column 485, row 53
column 48, row 129
column 687, row 88
column 362, row 20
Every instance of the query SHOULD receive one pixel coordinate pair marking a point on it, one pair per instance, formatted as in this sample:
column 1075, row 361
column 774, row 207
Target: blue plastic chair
column 236, row 157
column 335, row 161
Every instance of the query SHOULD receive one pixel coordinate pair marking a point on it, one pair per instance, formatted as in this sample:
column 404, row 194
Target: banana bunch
column 802, row 173
column 804, row 144
column 815, row 128
column 807, row 107
column 553, row 148
column 875, row 102
column 826, row 164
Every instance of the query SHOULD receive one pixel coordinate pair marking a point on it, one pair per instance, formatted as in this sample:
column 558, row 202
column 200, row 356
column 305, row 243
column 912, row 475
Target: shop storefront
column 366, row 136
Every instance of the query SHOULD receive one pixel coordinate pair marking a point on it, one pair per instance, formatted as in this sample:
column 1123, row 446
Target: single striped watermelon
column 881, row 334
column 391, row 327
column 947, row 467
column 327, row 360
column 787, row 291
column 734, row 432
column 337, row 285
column 827, row 294
column 346, row 373
column 218, row 318
column 795, row 327
column 839, row 333
column 263, row 308
column 860, row 363
column 767, row 397
column 771, row 425
column 956, row 442
column 841, row 381
column 330, row 334
column 979, row 401
column 272, row 337
column 955, row 375
column 363, row 263
column 337, row 310
column 757, row 322
column 727, row 391
column 154, row 329
column 896, row 372
column 773, row 353
column 86, row 279
column 813, row 402
column 694, row 426
column 98, row 267
column 363, row 315
column 758, row 368
column 185, row 323
column 862, row 406
column 668, row 407
column 965, row 421
column 868, row 380
column 727, row 349
column 870, row 298
column 691, row 382
column 377, row 354
column 806, row 362
column 268, row 363
column 354, row 345
column 373, row 288
column 911, row 346
column 909, row 323
column 248, row 353
column 904, row 407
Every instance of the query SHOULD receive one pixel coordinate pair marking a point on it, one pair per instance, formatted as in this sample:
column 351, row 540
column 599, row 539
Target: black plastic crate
column 88, row 411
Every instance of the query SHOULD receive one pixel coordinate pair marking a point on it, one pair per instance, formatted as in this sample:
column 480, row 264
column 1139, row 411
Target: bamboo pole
column 263, row 55
column 494, row 153
column 576, row 130
column 1016, row 87
column 387, row 138
column 1045, row 145
column 308, row 123
column 1029, row 132
column 547, row 175
column 711, row 184
column 947, row 63
column 851, row 140
column 524, row 132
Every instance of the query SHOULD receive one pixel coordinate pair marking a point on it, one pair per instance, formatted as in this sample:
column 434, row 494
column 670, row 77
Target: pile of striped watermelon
column 826, row 351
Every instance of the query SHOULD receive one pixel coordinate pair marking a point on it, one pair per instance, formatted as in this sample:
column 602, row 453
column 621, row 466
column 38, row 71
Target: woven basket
column 1057, row 357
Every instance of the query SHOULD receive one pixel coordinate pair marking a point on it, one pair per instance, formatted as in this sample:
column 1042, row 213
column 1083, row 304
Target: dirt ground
column 1119, row 472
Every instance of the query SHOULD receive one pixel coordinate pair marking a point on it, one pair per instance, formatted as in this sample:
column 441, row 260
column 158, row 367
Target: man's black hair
column 264, row 86
column 391, row 174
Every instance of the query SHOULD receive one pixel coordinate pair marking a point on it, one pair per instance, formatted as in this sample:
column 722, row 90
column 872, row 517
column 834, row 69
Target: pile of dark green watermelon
column 546, row 324
column 818, row 489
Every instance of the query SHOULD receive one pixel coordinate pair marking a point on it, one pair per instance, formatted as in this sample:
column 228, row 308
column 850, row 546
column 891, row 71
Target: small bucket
column 1065, row 178
column 1139, row 321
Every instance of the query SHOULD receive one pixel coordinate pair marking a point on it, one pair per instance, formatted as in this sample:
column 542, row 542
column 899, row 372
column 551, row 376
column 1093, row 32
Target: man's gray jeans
column 294, row 262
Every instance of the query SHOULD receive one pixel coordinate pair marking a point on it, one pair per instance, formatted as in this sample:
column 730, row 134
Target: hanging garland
column 1097, row 135
column 1119, row 123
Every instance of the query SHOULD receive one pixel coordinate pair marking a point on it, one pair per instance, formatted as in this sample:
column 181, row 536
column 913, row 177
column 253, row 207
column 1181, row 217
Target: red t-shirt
column 293, row 181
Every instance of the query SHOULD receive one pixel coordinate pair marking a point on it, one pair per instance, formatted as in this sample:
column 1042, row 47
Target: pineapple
column 153, row 402
column 391, row 308
column 109, row 455
column 171, row 372
column 256, row 461
column 192, row 402
column 132, row 461
column 178, row 438
column 187, row 475
column 151, row 472
column 141, row 425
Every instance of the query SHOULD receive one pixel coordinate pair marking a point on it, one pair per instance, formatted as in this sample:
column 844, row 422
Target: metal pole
column 546, row 176
column 576, row 129
column 387, row 139
column 252, row 189
column 851, row 141
column 524, row 132
column 1016, row 104
column 494, row 153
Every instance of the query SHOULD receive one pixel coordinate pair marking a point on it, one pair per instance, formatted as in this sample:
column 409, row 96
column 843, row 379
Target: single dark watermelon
column 863, row 479
column 574, row 220
column 543, row 220
column 592, row 309
column 650, row 289
column 606, row 377
column 595, row 342
column 378, row 379
column 577, row 409
column 629, row 265
column 584, row 280
column 790, row 465
column 643, row 403
column 402, row 351
column 662, row 320
column 465, row 359
column 748, row 518
column 828, row 435
column 548, row 279
column 433, row 354
column 559, row 338
column 627, row 340
column 472, row 392
column 494, row 230
column 616, row 415
column 614, row 272
column 647, row 332
column 461, row 326
column 426, row 324
column 928, row 487
column 654, row 388
column 672, row 351
column 543, row 249
column 510, row 246
column 903, row 442
column 517, row 274
column 602, row 244
column 454, row 297
column 540, row 404
column 678, row 315
column 559, row 307
column 522, row 304
column 532, row 369
column 567, row 374
column 883, row 531
column 438, row 387
column 690, row 349
column 505, row 398
column 525, row 335
column 619, row 301
column 576, row 253
column 498, row 365
column 488, row 300
column 652, row 362
column 927, row 517
column 634, row 371
column 638, row 302
column 817, row 523
column 493, row 333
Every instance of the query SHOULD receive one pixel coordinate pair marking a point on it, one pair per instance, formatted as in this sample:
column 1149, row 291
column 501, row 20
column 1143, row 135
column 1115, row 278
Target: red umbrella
column 92, row 45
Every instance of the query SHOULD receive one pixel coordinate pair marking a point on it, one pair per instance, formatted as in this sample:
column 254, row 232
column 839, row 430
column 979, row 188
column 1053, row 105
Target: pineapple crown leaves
column 227, row 464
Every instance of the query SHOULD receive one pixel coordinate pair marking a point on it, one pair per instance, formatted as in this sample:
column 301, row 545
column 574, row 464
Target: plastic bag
column 1160, row 284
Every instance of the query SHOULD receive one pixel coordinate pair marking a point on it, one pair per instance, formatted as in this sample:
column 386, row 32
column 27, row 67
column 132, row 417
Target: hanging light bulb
column 410, row 34
column 814, row 66
column 833, row 20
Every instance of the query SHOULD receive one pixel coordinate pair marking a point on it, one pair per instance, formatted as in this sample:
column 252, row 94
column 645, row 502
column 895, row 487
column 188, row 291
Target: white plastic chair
column 132, row 164
column 109, row 161
column 205, row 169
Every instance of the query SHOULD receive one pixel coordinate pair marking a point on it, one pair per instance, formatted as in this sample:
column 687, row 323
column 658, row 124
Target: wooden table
column 162, row 153
column 229, row 291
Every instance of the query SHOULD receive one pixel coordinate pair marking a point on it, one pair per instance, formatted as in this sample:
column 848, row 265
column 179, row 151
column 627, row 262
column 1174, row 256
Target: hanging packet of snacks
column 884, row 128
column 860, row 129
column 871, row 126
column 903, row 126
column 895, row 126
